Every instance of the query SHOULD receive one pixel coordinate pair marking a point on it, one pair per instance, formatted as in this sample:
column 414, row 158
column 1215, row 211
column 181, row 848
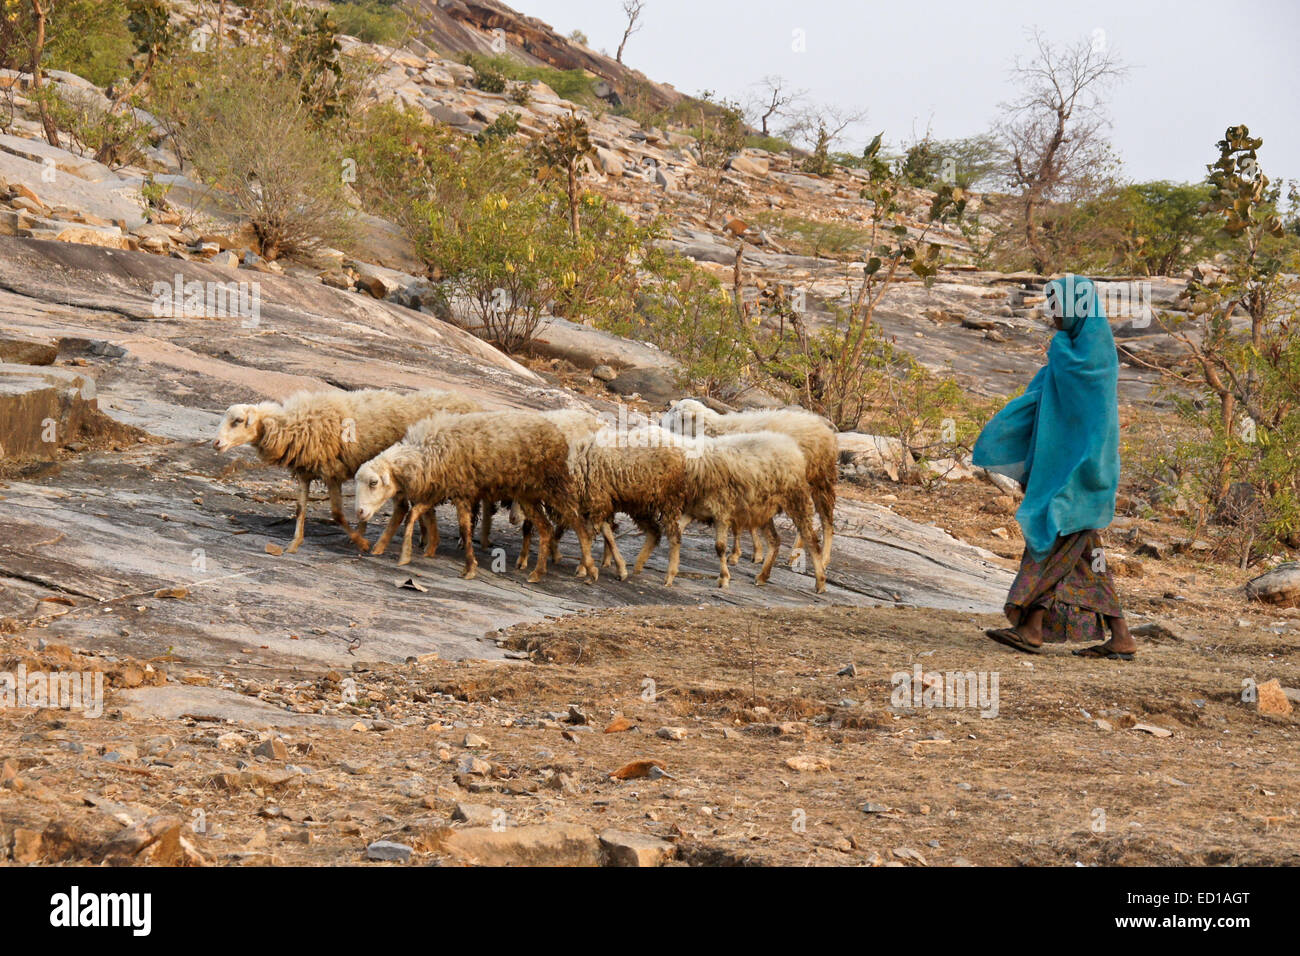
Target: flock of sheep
column 554, row 470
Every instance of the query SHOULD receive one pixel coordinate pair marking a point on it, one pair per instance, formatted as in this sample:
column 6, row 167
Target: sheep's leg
column 800, row 513
column 466, row 517
column 417, row 512
column 586, row 564
column 758, row 544
column 526, row 545
column 651, row 532
column 556, row 535
column 826, row 515
column 543, row 526
column 489, row 508
column 583, row 531
column 611, row 550
column 358, row 535
column 795, row 549
column 774, row 540
column 429, row 522
column 400, row 511
column 300, row 518
column 674, row 549
column 735, row 548
column 720, row 531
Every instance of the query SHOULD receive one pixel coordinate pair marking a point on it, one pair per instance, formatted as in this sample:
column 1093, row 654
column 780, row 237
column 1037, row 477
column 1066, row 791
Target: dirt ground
column 773, row 749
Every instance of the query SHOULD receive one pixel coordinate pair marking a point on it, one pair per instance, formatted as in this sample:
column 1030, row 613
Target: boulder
column 609, row 162
column 41, row 408
column 655, row 385
column 874, row 455
column 19, row 350
column 1280, row 586
column 749, row 165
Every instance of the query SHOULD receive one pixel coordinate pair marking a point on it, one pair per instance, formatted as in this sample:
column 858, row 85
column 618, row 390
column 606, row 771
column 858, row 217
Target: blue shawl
column 1060, row 439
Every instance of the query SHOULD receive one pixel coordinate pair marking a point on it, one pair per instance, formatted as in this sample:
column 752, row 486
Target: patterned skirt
column 1072, row 585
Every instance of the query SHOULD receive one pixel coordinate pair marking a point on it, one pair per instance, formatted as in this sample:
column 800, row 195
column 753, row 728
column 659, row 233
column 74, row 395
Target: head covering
column 1060, row 439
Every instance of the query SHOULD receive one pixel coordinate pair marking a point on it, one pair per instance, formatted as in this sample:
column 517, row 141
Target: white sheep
column 575, row 425
column 327, row 436
column 638, row 475
column 815, row 436
column 742, row 482
column 464, row 459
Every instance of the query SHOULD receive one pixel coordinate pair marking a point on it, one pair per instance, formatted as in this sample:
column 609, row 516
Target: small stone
column 474, row 742
column 273, row 748
column 603, row 373
column 27, row 845
column 388, row 852
column 623, row 848
column 671, row 733
column 1272, row 699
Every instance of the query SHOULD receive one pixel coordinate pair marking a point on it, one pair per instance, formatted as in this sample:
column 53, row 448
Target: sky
column 1194, row 68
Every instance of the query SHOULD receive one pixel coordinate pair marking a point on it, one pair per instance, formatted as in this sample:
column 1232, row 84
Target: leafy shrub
column 370, row 21
column 503, row 127
column 251, row 134
column 112, row 137
column 86, row 37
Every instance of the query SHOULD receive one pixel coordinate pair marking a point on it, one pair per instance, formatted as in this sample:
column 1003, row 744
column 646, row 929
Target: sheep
column 325, row 436
column 741, row 481
column 635, row 473
column 465, row 459
column 575, row 425
column 815, row 436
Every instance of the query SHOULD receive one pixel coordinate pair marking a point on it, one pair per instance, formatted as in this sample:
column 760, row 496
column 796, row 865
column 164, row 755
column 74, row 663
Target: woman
column 1060, row 440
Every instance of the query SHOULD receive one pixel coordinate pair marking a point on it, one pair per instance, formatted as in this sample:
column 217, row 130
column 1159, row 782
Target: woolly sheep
column 741, row 482
column 575, row 425
column 633, row 473
column 326, row 436
column 814, row 434
column 464, row 459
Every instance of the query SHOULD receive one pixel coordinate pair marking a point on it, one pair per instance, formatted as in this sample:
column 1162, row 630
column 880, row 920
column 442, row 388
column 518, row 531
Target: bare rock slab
column 548, row 844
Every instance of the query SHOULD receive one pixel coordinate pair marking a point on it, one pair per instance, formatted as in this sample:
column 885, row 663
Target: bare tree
column 820, row 126
column 772, row 101
column 1055, row 131
column 40, row 12
column 633, row 9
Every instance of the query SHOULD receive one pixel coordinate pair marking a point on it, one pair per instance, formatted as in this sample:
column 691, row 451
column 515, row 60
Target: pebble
column 389, row 852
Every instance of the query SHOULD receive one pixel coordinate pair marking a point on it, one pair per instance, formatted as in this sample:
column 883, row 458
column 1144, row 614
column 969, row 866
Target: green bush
column 573, row 85
column 86, row 37
column 372, row 21
column 250, row 133
column 112, row 137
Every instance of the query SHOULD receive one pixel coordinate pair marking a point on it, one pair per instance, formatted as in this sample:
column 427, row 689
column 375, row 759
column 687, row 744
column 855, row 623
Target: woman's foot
column 1012, row 637
column 1121, row 640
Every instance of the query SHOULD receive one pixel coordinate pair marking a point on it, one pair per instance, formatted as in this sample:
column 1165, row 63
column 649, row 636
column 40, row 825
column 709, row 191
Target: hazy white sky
column 1195, row 67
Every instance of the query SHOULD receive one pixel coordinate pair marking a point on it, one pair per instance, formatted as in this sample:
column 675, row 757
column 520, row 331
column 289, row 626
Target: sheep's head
column 241, row 425
column 684, row 417
column 375, row 485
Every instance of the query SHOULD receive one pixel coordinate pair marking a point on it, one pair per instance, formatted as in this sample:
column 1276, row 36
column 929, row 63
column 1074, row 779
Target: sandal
column 1103, row 652
column 1011, row 638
